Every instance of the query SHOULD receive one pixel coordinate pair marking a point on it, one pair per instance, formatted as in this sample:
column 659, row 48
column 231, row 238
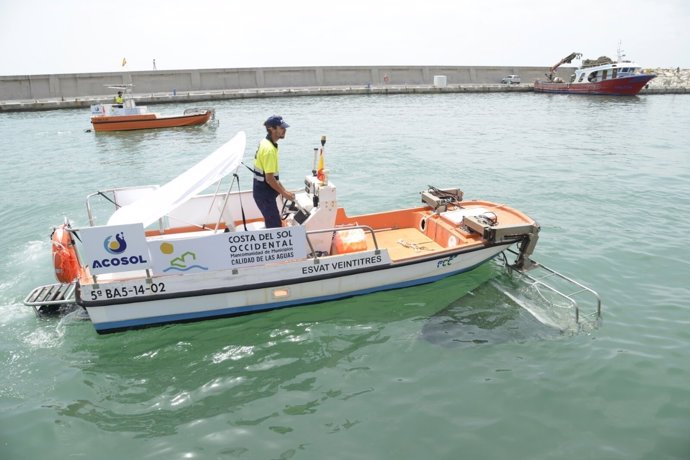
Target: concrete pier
column 216, row 95
column 50, row 92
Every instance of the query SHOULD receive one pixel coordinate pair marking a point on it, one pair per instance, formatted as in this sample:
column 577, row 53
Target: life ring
column 65, row 258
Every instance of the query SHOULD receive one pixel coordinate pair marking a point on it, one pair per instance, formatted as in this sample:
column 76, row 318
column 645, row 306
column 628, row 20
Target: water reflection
column 490, row 315
column 153, row 381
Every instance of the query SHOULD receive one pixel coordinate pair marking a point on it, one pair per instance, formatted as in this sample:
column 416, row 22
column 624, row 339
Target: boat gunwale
column 135, row 118
column 228, row 289
column 230, row 312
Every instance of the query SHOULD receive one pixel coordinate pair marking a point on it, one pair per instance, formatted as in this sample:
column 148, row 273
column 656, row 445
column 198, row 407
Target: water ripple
column 436, row 371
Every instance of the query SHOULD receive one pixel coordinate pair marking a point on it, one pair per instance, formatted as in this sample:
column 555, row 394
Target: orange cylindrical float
column 65, row 258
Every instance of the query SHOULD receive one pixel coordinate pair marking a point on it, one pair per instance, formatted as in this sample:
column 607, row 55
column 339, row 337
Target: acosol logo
column 115, row 247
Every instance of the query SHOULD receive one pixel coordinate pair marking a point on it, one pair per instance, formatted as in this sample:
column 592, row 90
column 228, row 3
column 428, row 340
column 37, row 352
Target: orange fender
column 65, row 258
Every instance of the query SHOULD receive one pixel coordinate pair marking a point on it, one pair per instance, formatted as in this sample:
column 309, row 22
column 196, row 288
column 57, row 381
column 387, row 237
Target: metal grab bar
column 337, row 229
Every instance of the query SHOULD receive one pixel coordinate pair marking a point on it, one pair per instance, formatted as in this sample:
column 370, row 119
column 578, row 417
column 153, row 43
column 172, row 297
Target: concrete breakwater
column 669, row 79
column 49, row 92
column 215, row 95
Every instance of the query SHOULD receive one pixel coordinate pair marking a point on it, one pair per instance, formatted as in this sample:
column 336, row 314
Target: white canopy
column 160, row 202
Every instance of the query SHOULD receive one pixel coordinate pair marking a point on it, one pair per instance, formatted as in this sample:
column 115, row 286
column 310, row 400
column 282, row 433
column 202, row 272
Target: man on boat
column 267, row 184
column 119, row 99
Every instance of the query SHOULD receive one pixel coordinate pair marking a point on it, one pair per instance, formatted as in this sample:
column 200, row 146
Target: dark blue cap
column 276, row 120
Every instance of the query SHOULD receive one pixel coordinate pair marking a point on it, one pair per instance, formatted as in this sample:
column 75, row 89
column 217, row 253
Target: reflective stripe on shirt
column 265, row 160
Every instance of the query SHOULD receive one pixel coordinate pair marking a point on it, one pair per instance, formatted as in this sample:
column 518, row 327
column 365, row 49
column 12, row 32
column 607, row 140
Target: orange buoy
column 65, row 258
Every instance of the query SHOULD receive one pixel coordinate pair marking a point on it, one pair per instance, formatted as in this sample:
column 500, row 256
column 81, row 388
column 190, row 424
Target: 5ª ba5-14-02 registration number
column 127, row 291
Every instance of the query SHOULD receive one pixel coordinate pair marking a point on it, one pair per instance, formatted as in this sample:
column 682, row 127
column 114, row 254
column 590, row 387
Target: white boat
column 174, row 254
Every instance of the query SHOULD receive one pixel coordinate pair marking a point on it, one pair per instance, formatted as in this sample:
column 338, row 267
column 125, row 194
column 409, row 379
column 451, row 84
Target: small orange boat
column 128, row 116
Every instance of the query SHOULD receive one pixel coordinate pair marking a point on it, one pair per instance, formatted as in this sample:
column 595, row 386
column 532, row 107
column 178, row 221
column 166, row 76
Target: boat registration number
column 127, row 291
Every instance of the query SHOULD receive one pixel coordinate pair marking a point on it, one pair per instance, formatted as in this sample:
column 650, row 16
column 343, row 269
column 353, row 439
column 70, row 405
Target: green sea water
column 450, row 370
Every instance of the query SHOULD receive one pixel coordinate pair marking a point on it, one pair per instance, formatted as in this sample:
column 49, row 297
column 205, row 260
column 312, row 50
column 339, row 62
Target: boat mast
column 619, row 52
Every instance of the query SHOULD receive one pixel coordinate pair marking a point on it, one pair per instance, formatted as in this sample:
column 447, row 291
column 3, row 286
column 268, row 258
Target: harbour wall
column 35, row 92
column 94, row 84
column 45, row 92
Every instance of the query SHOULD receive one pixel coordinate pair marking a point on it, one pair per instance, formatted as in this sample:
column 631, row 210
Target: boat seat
column 257, row 225
column 455, row 217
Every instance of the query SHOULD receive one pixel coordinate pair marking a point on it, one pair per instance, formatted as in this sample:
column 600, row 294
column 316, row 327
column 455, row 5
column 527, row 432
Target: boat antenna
column 620, row 52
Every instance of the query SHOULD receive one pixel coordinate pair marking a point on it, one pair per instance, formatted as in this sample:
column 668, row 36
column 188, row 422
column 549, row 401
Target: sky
column 81, row 36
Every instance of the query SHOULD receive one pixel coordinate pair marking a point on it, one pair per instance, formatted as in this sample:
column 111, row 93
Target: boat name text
column 341, row 265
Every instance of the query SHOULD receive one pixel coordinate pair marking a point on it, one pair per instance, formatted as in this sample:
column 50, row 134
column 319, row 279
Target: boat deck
column 404, row 243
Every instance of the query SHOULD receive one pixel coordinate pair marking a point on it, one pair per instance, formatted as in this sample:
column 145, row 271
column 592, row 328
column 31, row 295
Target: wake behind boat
column 174, row 254
column 602, row 76
column 128, row 116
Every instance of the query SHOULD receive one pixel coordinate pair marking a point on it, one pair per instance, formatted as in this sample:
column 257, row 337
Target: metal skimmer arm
column 538, row 282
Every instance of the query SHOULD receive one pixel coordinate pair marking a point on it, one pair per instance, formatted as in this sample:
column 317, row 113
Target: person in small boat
column 267, row 184
column 118, row 99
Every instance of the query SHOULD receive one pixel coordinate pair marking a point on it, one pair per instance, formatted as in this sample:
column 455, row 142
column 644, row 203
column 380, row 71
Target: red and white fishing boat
column 173, row 254
column 603, row 76
column 128, row 116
